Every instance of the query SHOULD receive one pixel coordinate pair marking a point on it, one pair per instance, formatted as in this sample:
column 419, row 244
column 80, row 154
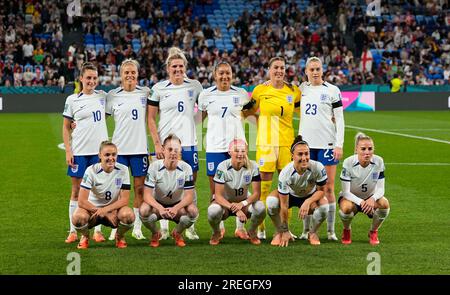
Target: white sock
column 307, row 223
column 164, row 223
column 346, row 219
column 150, row 223
column 331, row 217
column 319, row 216
column 222, row 225
column 239, row 224
column 98, row 228
column 137, row 222
column 215, row 214
column 73, row 205
column 378, row 217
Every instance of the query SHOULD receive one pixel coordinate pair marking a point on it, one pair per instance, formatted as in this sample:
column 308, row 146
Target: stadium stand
column 41, row 45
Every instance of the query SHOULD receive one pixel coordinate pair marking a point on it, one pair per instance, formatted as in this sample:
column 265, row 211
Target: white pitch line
column 398, row 134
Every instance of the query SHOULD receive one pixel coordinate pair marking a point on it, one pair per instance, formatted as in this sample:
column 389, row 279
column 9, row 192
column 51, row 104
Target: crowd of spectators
column 32, row 51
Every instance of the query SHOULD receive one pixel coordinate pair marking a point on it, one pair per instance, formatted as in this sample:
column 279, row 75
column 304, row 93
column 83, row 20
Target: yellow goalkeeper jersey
column 276, row 109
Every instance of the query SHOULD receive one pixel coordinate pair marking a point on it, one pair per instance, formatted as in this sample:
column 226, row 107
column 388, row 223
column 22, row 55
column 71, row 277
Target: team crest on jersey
column 247, row 178
column 118, row 182
column 180, row 182
column 236, row 100
column 102, row 101
column 324, row 97
column 210, row 166
column 261, row 162
column 74, row 168
column 375, row 176
column 191, row 94
column 144, row 100
column 289, row 98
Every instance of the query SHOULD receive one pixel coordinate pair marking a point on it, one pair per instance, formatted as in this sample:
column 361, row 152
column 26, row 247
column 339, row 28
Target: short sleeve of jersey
column 283, row 185
column 245, row 99
column 345, row 173
column 198, row 89
column 126, row 178
column 382, row 168
column 154, row 94
column 68, row 111
column 150, row 179
column 219, row 177
column 255, row 173
column 202, row 103
column 321, row 174
column 109, row 103
column 336, row 99
column 87, row 179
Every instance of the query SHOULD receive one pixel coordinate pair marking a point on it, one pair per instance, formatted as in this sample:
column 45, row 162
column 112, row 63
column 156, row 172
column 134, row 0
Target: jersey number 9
column 134, row 114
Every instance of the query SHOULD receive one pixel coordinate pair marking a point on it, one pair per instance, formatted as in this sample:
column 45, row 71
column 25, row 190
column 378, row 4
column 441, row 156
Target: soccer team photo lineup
column 278, row 133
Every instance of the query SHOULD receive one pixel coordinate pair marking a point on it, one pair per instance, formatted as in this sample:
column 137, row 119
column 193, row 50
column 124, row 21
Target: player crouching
column 104, row 196
column 169, row 193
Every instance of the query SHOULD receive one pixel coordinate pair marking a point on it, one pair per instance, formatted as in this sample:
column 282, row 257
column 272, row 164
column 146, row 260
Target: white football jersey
column 301, row 186
column 168, row 186
column 236, row 182
column 176, row 109
column 317, row 107
column 363, row 180
column 129, row 110
column 224, row 116
column 105, row 187
column 88, row 112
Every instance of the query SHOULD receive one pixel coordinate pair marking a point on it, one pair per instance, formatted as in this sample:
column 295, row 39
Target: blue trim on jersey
column 345, row 180
column 356, row 164
column 108, row 114
column 138, row 88
column 162, row 168
column 186, row 81
column 381, row 176
column 120, row 90
column 116, row 168
column 283, row 193
column 170, row 83
column 323, row 84
column 231, row 87
column 372, row 163
column 322, row 183
column 70, row 118
column 83, row 186
column 126, row 187
column 99, row 171
column 256, row 178
column 178, row 168
column 189, row 187
column 79, row 95
column 229, row 167
column 337, row 104
column 214, row 89
column 218, row 182
column 149, row 186
column 295, row 171
column 153, row 103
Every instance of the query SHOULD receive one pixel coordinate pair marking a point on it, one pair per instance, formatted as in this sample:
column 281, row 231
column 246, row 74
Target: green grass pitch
column 34, row 195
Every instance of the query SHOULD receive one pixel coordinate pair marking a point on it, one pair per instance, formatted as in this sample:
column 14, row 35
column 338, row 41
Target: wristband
column 244, row 203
